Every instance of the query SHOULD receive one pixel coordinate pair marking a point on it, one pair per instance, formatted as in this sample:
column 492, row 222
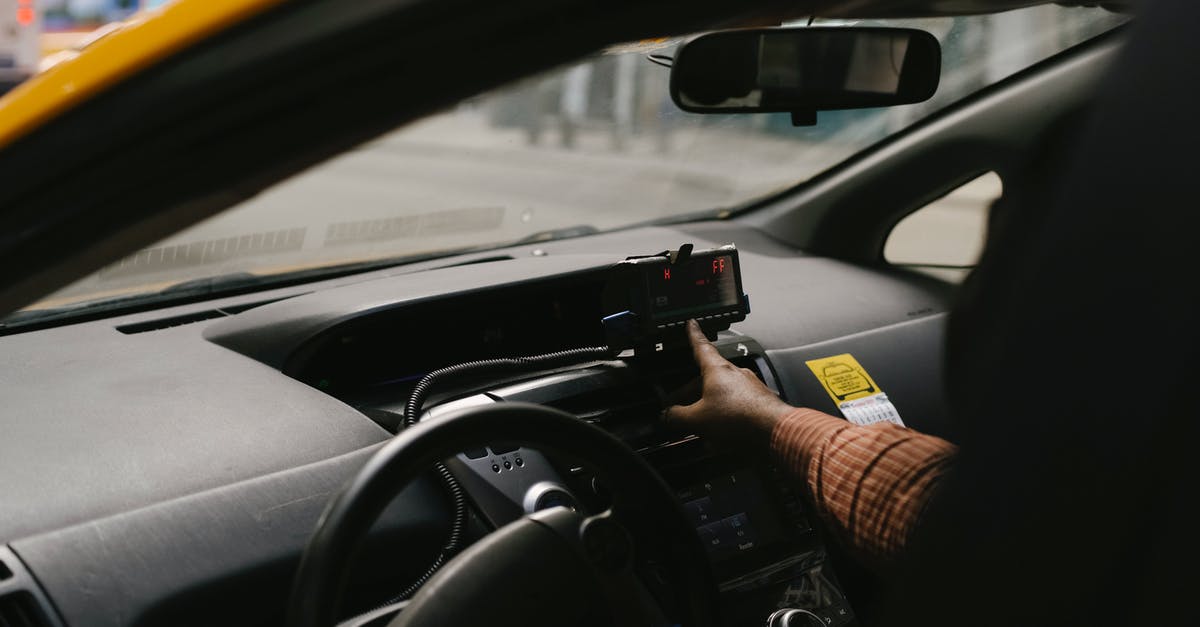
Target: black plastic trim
column 19, row 588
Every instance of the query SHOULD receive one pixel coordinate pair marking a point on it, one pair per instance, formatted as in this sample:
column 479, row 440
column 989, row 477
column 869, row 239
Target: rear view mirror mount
column 805, row 70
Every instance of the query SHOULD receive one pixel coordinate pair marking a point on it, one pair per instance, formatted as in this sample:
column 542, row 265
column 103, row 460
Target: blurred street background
column 593, row 146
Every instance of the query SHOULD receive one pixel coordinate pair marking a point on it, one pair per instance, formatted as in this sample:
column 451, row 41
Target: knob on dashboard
column 795, row 618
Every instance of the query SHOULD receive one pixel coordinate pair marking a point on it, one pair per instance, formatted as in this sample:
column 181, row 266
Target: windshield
column 593, row 146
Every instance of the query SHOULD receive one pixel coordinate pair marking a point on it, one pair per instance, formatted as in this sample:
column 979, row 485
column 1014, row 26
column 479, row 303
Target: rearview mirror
column 805, row 70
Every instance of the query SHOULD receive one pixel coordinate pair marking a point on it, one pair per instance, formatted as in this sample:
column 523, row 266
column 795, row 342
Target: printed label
column 853, row 390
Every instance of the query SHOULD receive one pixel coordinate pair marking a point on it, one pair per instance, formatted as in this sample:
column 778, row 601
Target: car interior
column 450, row 439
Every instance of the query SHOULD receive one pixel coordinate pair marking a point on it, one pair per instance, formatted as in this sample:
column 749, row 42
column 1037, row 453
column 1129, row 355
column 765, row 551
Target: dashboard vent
column 199, row 316
column 626, row 400
column 18, row 609
column 167, row 323
column 22, row 603
column 472, row 262
column 619, row 399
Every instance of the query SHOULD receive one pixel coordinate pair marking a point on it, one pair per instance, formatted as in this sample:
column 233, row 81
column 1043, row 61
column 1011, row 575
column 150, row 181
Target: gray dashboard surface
column 141, row 468
column 220, row 557
column 905, row 360
column 96, row 422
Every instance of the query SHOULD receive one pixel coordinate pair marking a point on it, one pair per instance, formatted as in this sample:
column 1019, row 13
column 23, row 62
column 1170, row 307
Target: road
column 458, row 179
column 455, row 180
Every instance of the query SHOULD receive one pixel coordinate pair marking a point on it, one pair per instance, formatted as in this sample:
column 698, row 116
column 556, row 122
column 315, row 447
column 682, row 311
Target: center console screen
column 733, row 515
column 763, row 552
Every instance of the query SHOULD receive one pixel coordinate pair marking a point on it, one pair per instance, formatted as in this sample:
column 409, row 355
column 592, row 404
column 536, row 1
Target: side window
column 945, row 237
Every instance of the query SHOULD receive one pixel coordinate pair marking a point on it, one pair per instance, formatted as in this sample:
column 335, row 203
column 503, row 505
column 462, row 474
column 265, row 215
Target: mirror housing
column 805, row 70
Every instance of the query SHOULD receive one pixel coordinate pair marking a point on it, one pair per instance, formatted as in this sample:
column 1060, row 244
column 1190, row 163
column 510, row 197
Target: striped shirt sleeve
column 870, row 483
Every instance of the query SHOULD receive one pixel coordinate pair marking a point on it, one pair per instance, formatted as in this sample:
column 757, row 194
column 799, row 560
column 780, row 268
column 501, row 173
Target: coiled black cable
column 412, row 413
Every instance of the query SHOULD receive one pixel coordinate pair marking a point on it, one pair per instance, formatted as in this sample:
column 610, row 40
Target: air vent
column 628, row 411
column 471, row 262
column 22, row 603
column 19, row 609
column 627, row 400
column 617, row 398
column 167, row 323
column 199, row 316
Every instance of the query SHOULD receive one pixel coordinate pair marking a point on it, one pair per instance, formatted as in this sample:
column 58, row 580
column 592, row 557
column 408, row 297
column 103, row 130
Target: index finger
column 707, row 355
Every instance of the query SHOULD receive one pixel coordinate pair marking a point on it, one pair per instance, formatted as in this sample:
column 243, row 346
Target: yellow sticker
column 843, row 377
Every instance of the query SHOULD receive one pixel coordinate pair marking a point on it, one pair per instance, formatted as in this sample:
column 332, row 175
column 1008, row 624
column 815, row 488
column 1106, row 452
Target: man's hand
column 734, row 407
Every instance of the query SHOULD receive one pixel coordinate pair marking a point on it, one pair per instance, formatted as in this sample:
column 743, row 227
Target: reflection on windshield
column 596, row 145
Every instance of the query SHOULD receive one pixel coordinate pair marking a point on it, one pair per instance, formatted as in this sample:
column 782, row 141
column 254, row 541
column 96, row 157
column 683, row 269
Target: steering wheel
column 554, row 567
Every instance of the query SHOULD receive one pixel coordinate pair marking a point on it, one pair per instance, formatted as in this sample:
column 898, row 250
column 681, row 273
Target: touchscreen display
column 701, row 285
column 732, row 514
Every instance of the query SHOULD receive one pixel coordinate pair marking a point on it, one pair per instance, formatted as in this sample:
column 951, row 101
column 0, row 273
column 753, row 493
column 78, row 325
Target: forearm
column 870, row 483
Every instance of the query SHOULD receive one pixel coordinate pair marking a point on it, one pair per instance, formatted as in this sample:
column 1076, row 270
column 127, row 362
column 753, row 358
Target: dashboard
column 167, row 467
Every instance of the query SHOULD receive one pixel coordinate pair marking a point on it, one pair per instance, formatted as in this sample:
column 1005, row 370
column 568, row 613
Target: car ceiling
column 312, row 95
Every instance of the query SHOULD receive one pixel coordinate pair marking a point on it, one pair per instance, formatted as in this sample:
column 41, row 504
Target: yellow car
column 320, row 312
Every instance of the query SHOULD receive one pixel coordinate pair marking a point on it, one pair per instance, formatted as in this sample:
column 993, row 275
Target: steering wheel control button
column 606, row 543
column 495, row 467
column 507, row 465
column 519, row 462
column 476, row 453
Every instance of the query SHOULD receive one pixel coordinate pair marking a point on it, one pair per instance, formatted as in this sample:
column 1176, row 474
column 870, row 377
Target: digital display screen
column 732, row 514
column 700, row 285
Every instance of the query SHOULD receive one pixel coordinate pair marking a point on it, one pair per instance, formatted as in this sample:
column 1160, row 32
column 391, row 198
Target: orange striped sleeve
column 870, row 483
